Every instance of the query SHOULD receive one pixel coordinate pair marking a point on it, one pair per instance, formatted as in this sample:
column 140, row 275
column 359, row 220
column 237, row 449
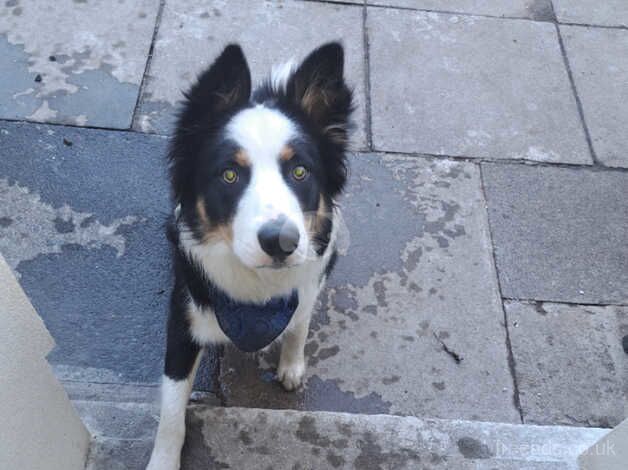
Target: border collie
column 254, row 177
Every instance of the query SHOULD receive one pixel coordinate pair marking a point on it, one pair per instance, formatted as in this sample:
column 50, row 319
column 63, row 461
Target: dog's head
column 259, row 171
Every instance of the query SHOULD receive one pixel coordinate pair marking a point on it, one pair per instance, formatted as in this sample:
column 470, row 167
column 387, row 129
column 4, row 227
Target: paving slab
column 119, row 454
column 120, row 420
column 74, row 62
column 570, row 365
column 617, row 440
column 192, row 34
column 606, row 13
column 559, row 233
column 479, row 87
column 253, row 438
column 339, row 440
column 81, row 223
column 417, row 277
column 600, row 71
column 540, row 10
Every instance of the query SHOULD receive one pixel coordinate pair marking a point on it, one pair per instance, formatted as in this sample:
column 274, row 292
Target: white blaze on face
column 262, row 133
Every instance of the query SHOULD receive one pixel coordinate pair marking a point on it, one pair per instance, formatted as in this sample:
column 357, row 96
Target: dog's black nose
column 279, row 238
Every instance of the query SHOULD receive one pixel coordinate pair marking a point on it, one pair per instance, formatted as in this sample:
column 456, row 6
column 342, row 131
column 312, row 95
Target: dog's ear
column 220, row 90
column 319, row 89
column 223, row 87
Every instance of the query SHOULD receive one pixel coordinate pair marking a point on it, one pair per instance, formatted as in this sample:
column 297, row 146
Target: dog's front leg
column 182, row 358
column 292, row 358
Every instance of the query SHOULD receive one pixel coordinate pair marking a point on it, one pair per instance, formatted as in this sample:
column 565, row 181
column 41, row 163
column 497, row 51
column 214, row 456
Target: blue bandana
column 250, row 326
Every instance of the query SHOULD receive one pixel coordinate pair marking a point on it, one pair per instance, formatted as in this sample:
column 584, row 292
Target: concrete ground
column 485, row 276
column 249, row 438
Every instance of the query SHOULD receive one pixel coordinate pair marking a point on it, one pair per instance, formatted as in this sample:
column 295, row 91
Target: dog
column 255, row 178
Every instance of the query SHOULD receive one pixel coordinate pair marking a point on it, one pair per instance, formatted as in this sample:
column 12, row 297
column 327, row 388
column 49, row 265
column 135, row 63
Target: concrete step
column 248, row 438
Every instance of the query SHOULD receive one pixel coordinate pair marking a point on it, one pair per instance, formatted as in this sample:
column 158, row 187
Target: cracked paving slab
column 600, row 72
column 570, row 364
column 74, row 62
column 82, row 225
column 480, row 87
column 559, row 233
column 193, row 33
column 418, row 275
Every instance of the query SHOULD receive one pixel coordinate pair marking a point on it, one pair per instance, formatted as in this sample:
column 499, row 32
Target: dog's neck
column 251, row 326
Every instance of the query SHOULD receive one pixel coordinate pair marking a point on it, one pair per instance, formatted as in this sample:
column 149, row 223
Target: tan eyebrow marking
column 242, row 158
column 286, row 153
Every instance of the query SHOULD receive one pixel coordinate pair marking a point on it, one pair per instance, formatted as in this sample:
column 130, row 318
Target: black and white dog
column 254, row 176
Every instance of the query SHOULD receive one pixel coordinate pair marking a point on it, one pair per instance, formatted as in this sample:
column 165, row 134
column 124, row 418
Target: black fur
column 181, row 350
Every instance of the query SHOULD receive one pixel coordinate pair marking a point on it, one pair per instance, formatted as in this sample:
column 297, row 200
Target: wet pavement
column 74, row 62
column 486, row 270
column 223, row 438
column 417, row 278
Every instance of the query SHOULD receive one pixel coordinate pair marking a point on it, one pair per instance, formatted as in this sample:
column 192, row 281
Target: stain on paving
column 541, row 10
column 315, row 442
column 267, row 439
column 473, row 449
column 196, row 452
column 77, row 63
column 33, row 227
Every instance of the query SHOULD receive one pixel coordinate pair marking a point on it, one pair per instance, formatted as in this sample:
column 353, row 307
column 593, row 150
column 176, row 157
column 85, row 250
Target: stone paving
column 193, row 33
column 243, row 438
column 486, row 270
column 74, row 62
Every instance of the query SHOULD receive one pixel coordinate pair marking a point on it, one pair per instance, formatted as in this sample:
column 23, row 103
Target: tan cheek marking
column 220, row 232
column 286, row 153
column 226, row 232
column 322, row 213
column 242, row 158
column 315, row 221
column 202, row 214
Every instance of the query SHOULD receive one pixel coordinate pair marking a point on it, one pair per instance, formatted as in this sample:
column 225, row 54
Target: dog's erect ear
column 319, row 89
column 224, row 86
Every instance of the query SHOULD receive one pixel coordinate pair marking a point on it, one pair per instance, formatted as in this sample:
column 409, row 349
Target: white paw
column 291, row 375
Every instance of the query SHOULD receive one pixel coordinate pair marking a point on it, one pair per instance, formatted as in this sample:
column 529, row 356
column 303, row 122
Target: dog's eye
column 230, row 176
column 299, row 172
